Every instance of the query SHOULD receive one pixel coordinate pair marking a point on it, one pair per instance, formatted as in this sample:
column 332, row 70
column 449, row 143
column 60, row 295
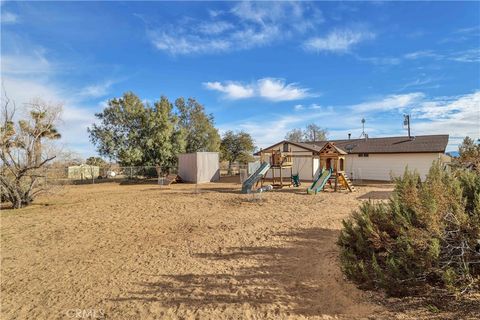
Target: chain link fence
column 84, row 174
column 94, row 174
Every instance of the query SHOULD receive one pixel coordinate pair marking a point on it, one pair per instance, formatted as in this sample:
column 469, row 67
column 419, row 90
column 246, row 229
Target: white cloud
column 472, row 55
column 187, row 44
column 315, row 106
column 465, row 106
column 231, row 90
column 75, row 117
column 26, row 77
column 457, row 116
column 277, row 126
column 277, row 90
column 390, row 102
column 339, row 41
column 8, row 17
column 380, row 60
column 298, row 107
column 97, row 90
column 272, row 89
column 422, row 54
column 246, row 25
column 469, row 55
column 213, row 28
column 421, row 82
column 22, row 64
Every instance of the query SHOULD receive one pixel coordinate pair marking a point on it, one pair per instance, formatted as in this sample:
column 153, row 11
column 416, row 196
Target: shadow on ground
column 376, row 195
column 302, row 277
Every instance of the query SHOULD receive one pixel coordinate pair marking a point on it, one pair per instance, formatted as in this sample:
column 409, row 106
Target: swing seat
column 296, row 180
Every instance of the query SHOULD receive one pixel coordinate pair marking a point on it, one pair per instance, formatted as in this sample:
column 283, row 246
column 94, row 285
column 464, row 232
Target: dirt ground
column 145, row 251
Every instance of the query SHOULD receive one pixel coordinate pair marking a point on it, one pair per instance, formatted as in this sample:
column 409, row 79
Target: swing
column 296, row 180
column 296, row 177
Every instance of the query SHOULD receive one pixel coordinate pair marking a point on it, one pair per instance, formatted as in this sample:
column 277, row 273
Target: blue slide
column 254, row 177
column 320, row 182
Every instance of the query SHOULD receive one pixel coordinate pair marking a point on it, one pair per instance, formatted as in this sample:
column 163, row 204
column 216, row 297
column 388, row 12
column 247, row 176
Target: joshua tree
column 21, row 152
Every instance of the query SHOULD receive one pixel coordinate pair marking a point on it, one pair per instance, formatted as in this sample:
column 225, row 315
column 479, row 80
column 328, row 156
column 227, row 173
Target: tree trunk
column 38, row 152
column 229, row 172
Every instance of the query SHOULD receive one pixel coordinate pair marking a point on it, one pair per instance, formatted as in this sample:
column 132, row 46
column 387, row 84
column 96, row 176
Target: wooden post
column 291, row 175
column 273, row 176
column 281, row 178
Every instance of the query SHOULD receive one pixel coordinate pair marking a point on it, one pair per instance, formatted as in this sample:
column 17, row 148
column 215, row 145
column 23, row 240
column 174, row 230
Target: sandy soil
column 149, row 252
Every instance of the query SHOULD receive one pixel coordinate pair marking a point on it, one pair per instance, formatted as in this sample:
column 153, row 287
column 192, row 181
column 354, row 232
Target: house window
column 341, row 164
column 285, row 147
column 363, row 154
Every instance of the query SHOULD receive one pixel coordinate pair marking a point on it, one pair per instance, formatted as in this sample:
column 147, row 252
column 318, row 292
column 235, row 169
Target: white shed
column 199, row 167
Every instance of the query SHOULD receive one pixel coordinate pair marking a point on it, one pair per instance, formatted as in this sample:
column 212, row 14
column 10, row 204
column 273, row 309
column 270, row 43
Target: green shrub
column 417, row 237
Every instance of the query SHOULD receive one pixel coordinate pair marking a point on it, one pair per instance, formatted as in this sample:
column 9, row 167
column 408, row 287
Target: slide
column 320, row 182
column 254, row 177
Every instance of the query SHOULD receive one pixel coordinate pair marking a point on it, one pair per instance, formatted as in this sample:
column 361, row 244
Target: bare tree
column 21, row 151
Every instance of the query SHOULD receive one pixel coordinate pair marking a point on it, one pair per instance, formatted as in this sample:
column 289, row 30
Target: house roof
column 337, row 149
column 418, row 144
column 304, row 145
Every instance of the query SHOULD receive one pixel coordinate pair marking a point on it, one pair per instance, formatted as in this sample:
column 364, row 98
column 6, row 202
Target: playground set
column 331, row 173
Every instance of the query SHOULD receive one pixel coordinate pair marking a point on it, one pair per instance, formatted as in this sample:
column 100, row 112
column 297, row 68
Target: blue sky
column 262, row 67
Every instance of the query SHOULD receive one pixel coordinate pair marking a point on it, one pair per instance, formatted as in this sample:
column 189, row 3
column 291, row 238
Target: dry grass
column 178, row 252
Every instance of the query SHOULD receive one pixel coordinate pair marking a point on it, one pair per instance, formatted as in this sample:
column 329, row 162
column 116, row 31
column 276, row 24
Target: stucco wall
column 301, row 165
column 381, row 166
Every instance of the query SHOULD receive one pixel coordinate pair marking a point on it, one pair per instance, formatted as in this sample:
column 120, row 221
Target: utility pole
column 406, row 122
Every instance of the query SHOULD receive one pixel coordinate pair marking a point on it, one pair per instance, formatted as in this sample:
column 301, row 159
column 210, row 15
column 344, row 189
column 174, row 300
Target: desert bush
column 425, row 235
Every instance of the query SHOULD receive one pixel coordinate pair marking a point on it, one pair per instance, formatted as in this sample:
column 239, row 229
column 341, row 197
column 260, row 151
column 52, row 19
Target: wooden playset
column 278, row 162
column 332, row 159
column 332, row 164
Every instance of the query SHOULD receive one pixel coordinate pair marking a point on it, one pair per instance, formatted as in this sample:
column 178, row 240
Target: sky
column 261, row 67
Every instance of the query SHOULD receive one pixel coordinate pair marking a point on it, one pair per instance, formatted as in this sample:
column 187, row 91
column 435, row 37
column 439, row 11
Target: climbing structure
column 279, row 161
column 332, row 160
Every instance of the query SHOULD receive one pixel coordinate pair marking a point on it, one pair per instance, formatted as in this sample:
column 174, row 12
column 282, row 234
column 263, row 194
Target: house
column 370, row 158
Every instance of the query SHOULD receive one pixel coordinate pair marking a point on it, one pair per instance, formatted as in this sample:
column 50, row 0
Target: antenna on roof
column 363, row 129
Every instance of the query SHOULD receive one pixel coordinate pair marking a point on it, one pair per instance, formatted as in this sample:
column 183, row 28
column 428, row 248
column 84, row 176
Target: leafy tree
column 469, row 153
column 95, row 161
column 138, row 134
column 236, row 147
column 312, row 132
column 22, row 154
column 315, row 133
column 201, row 135
column 295, row 135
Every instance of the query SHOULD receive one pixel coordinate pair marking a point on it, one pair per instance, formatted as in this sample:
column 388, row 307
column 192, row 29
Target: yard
column 148, row 252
